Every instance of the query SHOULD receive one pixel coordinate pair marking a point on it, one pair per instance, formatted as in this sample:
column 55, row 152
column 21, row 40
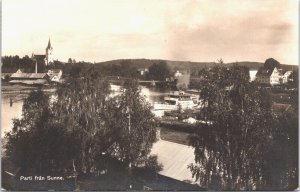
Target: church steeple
column 49, row 45
column 49, row 53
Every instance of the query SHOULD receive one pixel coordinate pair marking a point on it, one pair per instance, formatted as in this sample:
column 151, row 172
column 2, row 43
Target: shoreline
column 21, row 89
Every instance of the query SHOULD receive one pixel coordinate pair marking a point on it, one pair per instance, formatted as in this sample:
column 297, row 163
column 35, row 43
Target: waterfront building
column 29, row 78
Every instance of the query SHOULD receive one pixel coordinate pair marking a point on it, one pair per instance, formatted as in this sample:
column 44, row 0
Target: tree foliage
column 271, row 64
column 80, row 107
column 36, row 141
column 135, row 124
column 159, row 71
column 229, row 152
column 124, row 68
column 294, row 82
column 281, row 166
column 13, row 63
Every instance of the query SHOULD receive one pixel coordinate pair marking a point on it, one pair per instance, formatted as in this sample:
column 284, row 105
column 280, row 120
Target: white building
column 177, row 74
column 275, row 78
column 252, row 74
column 143, row 71
column 55, row 75
column 287, row 77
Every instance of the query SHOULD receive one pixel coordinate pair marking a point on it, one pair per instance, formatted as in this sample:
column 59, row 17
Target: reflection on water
column 11, row 108
column 12, row 105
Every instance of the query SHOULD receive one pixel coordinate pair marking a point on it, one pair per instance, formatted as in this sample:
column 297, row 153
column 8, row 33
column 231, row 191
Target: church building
column 47, row 58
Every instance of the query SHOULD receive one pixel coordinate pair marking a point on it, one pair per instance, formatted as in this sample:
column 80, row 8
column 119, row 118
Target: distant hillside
column 139, row 63
column 289, row 67
column 145, row 63
column 250, row 65
column 177, row 65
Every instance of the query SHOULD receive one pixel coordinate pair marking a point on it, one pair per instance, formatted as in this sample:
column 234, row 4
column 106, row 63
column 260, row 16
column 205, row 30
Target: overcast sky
column 189, row 30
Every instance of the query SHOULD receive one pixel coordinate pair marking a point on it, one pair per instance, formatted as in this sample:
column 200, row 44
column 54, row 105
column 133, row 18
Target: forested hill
column 177, row 65
column 146, row 63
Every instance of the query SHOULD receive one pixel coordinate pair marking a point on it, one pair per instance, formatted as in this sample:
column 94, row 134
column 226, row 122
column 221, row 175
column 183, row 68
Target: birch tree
column 135, row 124
column 229, row 151
column 80, row 107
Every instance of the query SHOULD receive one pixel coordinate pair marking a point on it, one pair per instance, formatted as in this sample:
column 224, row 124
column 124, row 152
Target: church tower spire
column 49, row 53
column 49, row 44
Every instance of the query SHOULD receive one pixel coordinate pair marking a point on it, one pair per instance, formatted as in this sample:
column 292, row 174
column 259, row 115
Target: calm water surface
column 11, row 110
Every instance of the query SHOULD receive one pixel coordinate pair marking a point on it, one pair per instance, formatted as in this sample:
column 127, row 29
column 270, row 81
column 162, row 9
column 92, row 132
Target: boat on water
column 177, row 99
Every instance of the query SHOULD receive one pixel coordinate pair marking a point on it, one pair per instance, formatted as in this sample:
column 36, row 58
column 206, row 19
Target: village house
column 273, row 77
column 252, row 74
column 55, row 75
column 177, row 74
column 5, row 76
column 287, row 77
column 143, row 71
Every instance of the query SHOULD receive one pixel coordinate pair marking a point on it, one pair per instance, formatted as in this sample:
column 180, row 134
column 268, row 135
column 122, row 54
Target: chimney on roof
column 35, row 66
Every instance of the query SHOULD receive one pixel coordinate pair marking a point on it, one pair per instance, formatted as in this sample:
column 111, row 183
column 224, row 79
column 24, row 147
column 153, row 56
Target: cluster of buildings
column 264, row 76
column 52, row 75
column 275, row 76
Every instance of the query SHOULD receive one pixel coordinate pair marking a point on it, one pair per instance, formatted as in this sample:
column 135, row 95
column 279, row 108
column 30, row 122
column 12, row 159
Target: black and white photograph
column 139, row 95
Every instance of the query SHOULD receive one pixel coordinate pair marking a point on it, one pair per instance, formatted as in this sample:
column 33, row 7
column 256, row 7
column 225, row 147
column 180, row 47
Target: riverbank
column 7, row 88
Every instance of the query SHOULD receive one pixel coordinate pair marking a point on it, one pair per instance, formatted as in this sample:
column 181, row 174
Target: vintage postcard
column 121, row 95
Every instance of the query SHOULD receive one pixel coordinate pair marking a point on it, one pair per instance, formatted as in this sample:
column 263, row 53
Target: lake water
column 11, row 110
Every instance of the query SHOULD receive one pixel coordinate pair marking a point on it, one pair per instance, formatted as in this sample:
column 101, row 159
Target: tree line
column 157, row 71
column 13, row 63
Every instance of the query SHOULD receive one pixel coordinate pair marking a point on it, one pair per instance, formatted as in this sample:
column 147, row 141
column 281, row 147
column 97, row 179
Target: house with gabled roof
column 55, row 75
column 275, row 76
column 263, row 76
column 5, row 76
column 287, row 77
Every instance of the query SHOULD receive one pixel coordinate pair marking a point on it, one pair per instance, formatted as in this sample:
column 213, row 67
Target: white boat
column 177, row 99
